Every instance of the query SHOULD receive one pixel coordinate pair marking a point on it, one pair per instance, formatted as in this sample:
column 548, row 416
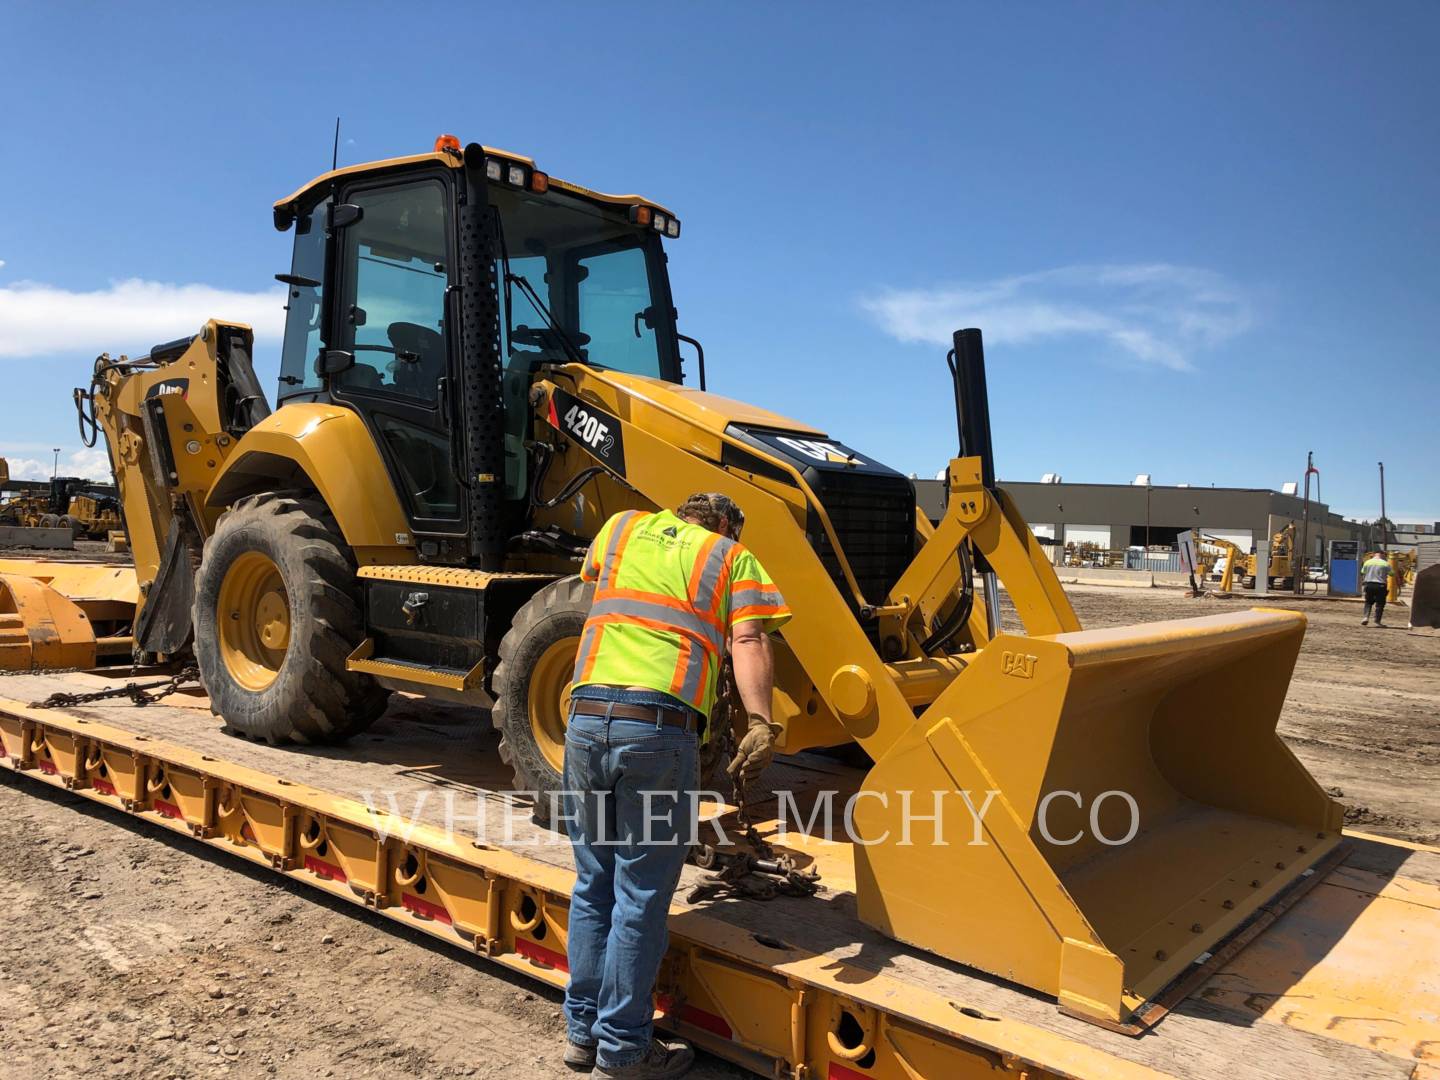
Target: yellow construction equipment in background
column 1281, row 571
column 480, row 366
column 1233, row 558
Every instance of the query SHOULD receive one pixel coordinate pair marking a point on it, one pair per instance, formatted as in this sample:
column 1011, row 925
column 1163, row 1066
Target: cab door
column 394, row 350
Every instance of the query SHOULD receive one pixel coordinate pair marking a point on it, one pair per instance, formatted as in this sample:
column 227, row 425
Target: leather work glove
column 755, row 752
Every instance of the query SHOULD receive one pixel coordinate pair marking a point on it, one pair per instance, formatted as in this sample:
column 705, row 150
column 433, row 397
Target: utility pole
column 55, row 468
column 1297, row 556
column 1384, row 522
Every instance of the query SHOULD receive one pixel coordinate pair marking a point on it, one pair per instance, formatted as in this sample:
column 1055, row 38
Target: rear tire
column 49, row 521
column 76, row 526
column 278, row 609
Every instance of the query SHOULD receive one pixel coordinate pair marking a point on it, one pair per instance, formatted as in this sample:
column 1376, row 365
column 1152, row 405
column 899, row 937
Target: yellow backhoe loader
column 480, row 364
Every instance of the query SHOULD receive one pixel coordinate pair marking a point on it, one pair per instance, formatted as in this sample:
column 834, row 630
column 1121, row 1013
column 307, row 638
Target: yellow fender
column 333, row 448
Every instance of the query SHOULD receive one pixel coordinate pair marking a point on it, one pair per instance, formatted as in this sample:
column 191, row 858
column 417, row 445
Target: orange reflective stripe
column 618, row 538
column 759, row 611
column 679, row 621
column 722, row 581
column 696, row 682
column 681, row 665
column 663, row 600
column 702, row 557
column 589, row 651
column 627, row 619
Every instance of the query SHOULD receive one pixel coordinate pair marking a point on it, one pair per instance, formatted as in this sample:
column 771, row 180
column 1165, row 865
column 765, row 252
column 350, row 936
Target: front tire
column 532, row 694
column 278, row 609
column 532, row 687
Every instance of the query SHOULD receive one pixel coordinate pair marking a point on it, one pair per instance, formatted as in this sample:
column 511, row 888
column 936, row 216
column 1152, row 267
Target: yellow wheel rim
column 254, row 616
column 549, row 699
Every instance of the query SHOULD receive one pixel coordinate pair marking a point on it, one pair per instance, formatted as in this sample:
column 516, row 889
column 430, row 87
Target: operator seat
column 417, row 377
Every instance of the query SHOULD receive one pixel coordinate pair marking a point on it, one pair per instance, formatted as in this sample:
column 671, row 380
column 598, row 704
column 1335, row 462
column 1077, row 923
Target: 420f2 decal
column 590, row 426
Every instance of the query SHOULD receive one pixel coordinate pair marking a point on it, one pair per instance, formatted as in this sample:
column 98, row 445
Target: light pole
column 1297, row 555
column 1384, row 524
column 55, row 468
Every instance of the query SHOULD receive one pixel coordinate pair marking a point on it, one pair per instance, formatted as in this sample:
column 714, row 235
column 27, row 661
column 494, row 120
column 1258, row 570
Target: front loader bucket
column 1143, row 806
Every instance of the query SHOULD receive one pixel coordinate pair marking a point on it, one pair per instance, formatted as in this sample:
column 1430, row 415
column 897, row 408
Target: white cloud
column 92, row 463
column 1156, row 313
column 128, row 316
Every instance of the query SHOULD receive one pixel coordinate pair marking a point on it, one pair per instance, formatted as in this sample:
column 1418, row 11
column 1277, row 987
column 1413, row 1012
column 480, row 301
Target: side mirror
column 343, row 214
column 334, row 361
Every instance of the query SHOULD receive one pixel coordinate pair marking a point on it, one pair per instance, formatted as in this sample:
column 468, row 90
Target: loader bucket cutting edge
column 1179, row 717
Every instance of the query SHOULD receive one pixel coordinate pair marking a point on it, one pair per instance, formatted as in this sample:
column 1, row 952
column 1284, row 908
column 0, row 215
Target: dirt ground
column 132, row 953
column 1363, row 712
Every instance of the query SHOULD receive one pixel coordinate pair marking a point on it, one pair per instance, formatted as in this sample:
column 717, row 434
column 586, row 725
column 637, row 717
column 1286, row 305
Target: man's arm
column 754, row 663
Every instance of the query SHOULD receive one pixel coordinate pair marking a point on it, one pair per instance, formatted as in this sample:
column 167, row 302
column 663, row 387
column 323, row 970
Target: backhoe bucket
column 1143, row 806
column 56, row 615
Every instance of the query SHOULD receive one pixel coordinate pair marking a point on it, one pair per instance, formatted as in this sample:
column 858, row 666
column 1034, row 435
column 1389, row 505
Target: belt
column 649, row 713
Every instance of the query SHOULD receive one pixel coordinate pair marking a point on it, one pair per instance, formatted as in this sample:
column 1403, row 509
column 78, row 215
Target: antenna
column 335, row 153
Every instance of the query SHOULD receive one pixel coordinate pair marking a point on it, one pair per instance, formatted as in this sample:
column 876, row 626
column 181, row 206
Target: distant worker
column 671, row 588
column 1376, row 576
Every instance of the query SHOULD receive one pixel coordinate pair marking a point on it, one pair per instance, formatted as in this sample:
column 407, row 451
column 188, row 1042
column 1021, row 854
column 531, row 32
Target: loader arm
column 1175, row 721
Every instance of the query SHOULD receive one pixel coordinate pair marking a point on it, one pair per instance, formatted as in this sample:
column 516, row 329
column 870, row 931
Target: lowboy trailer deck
column 1337, row 978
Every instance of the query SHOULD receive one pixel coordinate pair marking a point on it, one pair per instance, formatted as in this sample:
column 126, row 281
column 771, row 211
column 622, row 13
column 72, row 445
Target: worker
column 1376, row 577
column 671, row 590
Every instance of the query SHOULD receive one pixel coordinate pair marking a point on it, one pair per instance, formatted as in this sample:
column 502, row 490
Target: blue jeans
column 624, row 779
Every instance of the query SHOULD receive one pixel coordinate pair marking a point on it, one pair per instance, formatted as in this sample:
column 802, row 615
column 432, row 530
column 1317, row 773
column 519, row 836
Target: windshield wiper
column 569, row 346
column 530, row 294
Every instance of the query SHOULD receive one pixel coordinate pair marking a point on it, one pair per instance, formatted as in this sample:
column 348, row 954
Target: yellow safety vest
column 667, row 593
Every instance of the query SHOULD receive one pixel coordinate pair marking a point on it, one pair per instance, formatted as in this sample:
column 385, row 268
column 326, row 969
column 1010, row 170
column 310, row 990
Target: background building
column 1119, row 516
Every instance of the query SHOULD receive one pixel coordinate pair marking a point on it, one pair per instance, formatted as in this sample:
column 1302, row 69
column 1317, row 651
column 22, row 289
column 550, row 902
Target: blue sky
column 1201, row 239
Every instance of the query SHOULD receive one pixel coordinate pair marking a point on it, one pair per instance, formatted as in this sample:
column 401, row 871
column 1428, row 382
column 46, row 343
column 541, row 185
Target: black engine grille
column 874, row 520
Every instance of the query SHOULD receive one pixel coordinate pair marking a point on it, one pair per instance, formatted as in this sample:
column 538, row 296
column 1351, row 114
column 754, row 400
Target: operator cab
column 378, row 291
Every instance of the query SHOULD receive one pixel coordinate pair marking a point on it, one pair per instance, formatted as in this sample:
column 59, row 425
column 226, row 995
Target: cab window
column 303, row 302
column 392, row 316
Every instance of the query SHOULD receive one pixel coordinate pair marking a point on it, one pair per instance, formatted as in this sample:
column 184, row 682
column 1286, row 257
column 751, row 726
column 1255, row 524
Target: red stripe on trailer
column 170, row 810
column 695, row 1017
column 324, row 869
column 706, row 1021
column 425, row 909
column 47, row 766
column 840, row 1072
column 105, row 787
column 539, row 954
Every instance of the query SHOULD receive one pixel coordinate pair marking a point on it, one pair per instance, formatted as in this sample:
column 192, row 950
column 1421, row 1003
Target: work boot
column 1365, row 621
column 663, row 1061
column 580, row 1058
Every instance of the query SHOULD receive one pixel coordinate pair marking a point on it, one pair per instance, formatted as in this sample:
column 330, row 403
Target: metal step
column 363, row 659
